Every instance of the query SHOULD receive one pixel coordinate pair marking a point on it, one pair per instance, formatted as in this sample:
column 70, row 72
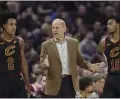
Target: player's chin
column 12, row 33
column 110, row 32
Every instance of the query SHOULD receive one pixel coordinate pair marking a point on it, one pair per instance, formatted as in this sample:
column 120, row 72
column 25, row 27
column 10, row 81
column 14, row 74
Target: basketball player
column 110, row 46
column 12, row 60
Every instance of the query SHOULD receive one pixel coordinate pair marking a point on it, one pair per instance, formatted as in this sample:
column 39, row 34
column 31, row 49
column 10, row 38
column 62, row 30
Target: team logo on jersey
column 114, row 52
column 10, row 50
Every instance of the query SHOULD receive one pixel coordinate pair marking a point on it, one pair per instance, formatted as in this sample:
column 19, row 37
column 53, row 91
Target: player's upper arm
column 21, row 43
column 101, row 47
column 22, row 55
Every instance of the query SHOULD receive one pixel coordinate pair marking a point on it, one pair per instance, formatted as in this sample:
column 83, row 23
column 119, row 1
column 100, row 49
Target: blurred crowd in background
column 86, row 21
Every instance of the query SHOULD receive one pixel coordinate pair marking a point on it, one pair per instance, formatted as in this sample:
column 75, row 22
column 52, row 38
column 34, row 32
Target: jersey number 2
column 10, row 61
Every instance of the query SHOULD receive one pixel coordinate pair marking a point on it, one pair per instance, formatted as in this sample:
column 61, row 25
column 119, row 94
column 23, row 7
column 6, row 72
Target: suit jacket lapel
column 69, row 49
column 55, row 48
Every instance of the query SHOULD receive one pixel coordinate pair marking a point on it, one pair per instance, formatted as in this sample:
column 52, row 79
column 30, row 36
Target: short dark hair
column 84, row 82
column 116, row 17
column 5, row 15
column 98, row 77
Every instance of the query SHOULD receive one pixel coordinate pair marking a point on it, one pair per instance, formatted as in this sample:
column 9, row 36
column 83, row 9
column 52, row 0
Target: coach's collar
column 56, row 40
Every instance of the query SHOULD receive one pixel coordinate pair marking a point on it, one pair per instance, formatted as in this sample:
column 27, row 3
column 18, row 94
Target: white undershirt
column 62, row 49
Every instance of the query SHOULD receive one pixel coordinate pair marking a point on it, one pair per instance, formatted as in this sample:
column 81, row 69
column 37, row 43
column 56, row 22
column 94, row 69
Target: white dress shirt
column 63, row 53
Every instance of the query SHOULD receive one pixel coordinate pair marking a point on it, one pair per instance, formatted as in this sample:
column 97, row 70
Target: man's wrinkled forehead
column 58, row 22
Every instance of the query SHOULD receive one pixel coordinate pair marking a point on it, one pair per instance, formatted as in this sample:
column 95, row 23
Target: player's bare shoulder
column 21, row 41
column 102, row 45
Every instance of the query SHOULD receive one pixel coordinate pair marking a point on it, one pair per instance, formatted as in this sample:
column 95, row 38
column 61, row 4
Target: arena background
column 86, row 20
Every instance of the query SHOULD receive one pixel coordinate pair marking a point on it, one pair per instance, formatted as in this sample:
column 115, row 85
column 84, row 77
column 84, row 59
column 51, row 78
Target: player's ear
column 3, row 25
column 64, row 28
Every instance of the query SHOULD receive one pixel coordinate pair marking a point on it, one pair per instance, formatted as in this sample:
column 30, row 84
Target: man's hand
column 28, row 87
column 45, row 64
column 78, row 95
column 96, row 67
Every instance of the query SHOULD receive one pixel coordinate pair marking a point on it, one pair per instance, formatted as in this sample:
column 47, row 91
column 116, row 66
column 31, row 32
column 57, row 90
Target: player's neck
column 6, row 36
column 115, row 36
